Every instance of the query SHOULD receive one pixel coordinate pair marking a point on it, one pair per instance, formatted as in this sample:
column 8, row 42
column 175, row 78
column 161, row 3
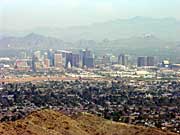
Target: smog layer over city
column 80, row 67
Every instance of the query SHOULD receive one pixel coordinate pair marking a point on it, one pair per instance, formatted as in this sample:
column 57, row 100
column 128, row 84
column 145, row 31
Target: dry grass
column 48, row 122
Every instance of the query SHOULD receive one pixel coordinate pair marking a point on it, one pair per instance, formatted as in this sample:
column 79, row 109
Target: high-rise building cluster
column 123, row 59
column 143, row 61
column 62, row 59
column 86, row 58
column 59, row 60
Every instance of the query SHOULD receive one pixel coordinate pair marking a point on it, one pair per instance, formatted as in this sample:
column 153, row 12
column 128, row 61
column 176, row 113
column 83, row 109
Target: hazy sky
column 25, row 14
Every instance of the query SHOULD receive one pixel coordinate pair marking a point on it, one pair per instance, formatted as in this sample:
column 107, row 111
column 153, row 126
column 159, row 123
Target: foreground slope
column 98, row 126
column 48, row 122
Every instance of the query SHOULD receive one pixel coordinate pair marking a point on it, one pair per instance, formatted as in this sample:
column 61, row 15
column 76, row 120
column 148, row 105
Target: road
column 45, row 78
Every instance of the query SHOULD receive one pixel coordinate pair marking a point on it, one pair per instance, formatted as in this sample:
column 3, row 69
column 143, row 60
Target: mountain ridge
column 165, row 28
column 32, row 40
column 147, row 44
column 49, row 122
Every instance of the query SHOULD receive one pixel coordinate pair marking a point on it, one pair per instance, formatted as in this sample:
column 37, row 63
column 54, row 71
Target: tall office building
column 89, row 62
column 142, row 61
column 146, row 61
column 46, row 63
column 51, row 57
column 75, row 60
column 86, row 58
column 66, row 57
column 35, row 60
column 150, row 61
column 58, row 60
column 68, row 63
column 82, row 58
column 123, row 59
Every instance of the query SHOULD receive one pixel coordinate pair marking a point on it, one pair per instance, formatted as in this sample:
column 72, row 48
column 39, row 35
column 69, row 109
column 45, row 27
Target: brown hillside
column 48, row 122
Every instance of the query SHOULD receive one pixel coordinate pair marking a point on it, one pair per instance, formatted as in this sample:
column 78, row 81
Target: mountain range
column 138, row 35
column 30, row 41
column 167, row 29
column 34, row 40
column 49, row 122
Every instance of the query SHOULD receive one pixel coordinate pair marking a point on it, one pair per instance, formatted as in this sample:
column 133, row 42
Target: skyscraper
column 46, row 63
column 35, row 60
column 75, row 60
column 86, row 58
column 66, row 58
column 89, row 62
column 142, row 61
column 123, row 59
column 150, row 61
column 145, row 61
column 58, row 60
column 82, row 58
column 51, row 57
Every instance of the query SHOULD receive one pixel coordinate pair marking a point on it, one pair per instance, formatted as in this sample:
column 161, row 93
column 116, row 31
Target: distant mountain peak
column 33, row 35
column 166, row 28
